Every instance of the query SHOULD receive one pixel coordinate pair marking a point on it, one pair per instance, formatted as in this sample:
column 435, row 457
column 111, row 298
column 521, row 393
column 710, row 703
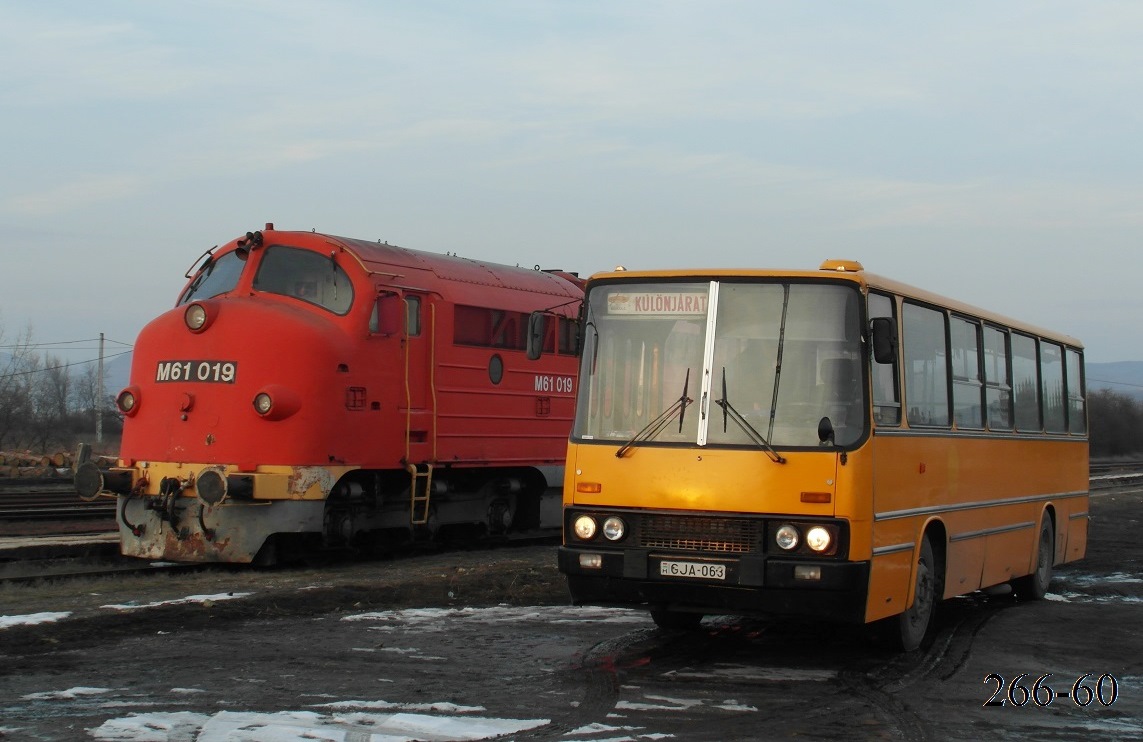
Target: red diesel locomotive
column 312, row 390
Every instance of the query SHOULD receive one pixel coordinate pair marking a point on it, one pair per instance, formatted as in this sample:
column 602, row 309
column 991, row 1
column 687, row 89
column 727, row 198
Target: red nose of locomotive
column 232, row 380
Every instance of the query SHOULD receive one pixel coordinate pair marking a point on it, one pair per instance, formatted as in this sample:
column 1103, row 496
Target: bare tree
column 1116, row 424
column 15, row 379
column 49, row 387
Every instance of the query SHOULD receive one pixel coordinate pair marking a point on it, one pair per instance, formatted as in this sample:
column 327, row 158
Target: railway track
column 1109, row 467
column 40, row 500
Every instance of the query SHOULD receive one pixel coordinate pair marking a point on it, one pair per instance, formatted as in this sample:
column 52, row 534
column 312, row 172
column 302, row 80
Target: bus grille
column 697, row 533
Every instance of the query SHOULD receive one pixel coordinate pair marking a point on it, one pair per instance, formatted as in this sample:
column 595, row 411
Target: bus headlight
column 818, row 539
column 614, row 528
column 584, row 527
column 786, row 538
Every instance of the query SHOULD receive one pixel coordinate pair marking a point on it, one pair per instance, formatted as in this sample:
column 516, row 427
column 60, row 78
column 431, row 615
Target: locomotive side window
column 489, row 328
column 302, row 274
column 413, row 316
column 216, row 277
column 564, row 330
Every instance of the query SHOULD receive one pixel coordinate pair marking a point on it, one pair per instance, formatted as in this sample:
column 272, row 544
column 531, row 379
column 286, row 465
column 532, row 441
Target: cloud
column 76, row 194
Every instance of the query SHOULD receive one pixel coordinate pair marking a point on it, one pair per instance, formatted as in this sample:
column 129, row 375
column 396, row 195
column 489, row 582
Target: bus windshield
column 764, row 362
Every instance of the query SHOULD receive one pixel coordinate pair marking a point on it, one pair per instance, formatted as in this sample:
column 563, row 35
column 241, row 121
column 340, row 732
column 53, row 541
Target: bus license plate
column 698, row 570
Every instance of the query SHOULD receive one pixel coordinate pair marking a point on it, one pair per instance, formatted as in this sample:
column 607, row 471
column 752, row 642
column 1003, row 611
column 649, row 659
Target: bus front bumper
column 746, row 584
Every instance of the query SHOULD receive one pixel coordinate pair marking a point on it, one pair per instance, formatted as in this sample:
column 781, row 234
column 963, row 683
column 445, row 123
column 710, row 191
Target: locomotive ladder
column 420, row 488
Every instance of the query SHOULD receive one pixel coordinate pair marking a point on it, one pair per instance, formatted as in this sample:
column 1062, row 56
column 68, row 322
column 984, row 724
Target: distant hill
column 1124, row 377
column 117, row 374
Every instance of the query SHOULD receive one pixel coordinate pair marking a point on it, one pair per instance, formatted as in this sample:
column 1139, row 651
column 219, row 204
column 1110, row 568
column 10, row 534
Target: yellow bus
column 822, row 443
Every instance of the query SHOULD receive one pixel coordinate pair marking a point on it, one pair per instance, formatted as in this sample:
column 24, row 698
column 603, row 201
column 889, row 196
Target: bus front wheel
column 912, row 625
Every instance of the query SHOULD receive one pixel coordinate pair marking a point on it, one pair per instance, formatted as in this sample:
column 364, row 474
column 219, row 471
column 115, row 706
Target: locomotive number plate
column 223, row 372
column 699, row 570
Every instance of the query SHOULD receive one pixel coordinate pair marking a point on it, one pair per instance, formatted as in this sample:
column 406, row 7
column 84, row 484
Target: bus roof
column 846, row 272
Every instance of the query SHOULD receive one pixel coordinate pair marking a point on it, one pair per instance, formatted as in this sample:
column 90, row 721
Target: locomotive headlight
column 276, row 402
column 818, row 538
column 786, row 538
column 263, row 403
column 128, row 401
column 614, row 529
column 584, row 527
column 195, row 317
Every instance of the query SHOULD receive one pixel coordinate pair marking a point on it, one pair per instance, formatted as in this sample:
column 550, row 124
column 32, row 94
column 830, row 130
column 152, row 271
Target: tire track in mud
column 947, row 654
column 601, row 666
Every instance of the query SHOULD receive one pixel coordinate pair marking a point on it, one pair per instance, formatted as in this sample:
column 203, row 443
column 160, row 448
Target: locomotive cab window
column 217, row 276
column 309, row 276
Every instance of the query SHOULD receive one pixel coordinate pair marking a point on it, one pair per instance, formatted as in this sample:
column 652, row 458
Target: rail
column 40, row 500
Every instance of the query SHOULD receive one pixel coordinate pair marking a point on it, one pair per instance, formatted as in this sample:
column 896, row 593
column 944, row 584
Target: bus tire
column 913, row 625
column 675, row 620
column 1035, row 585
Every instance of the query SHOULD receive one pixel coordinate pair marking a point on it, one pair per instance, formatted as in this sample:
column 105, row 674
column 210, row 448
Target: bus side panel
column 1009, row 555
column 889, row 576
column 955, row 479
column 910, row 474
column 1076, row 525
column 964, row 566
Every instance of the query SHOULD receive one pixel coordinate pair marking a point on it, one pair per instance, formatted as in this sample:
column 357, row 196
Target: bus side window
column 1026, row 383
column 1077, row 414
column 926, row 366
column 997, row 379
column 886, row 400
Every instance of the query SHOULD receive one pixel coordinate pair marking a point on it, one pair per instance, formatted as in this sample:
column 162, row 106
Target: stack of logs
column 27, row 465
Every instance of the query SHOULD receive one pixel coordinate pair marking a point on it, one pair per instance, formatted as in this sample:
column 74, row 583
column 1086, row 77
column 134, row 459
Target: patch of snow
column 32, row 618
column 179, row 601
column 65, row 695
column 305, row 726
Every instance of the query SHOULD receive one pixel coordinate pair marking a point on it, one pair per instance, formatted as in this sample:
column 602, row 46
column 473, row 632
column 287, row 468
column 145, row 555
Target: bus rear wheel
column 675, row 620
column 1035, row 585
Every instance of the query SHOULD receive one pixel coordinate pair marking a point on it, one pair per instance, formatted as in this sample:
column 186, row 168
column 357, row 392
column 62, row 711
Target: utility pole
column 99, row 395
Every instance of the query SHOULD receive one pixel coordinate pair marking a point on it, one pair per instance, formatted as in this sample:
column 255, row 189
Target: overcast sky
column 987, row 151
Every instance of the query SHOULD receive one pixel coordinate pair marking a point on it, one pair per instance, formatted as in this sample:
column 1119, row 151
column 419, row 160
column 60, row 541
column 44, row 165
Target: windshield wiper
column 729, row 411
column 653, row 428
column 778, row 363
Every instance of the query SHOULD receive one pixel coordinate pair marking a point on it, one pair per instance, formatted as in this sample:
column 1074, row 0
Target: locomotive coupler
column 166, row 503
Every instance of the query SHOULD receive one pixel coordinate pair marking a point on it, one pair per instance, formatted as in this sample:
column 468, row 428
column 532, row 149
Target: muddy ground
column 607, row 676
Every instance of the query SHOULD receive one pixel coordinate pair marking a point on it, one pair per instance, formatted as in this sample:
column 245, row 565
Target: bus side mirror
column 884, row 332
column 388, row 311
column 535, row 342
